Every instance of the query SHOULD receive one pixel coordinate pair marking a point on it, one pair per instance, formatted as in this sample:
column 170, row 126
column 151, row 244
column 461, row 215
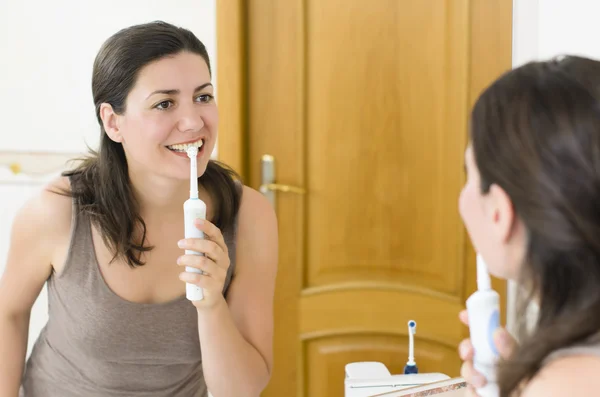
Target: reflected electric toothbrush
column 411, row 365
column 193, row 209
column 483, row 307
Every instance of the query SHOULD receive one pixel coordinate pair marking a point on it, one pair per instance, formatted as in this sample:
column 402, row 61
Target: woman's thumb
column 504, row 342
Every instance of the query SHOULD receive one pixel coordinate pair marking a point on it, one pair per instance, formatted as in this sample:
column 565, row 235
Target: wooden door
column 365, row 105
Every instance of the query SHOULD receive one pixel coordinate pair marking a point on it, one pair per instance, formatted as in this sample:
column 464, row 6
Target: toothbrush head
column 192, row 152
column 412, row 327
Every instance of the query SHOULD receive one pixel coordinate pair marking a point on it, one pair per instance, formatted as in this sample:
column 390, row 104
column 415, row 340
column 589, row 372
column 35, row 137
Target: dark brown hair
column 100, row 184
column 536, row 134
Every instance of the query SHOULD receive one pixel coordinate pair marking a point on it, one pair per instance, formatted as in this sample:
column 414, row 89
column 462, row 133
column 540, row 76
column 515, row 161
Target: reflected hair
column 536, row 133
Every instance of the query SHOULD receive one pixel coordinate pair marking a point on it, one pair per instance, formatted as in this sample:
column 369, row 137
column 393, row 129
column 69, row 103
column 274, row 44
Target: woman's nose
column 190, row 119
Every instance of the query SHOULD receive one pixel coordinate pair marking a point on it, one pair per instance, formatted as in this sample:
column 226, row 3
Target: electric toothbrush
column 193, row 209
column 483, row 308
column 411, row 365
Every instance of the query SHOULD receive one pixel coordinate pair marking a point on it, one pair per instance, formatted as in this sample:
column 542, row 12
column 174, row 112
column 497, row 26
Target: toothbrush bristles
column 192, row 151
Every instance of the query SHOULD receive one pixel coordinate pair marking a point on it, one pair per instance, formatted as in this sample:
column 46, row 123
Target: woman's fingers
column 207, row 247
column 467, row 371
column 465, row 350
column 203, row 281
column 200, row 262
column 504, row 342
column 211, row 232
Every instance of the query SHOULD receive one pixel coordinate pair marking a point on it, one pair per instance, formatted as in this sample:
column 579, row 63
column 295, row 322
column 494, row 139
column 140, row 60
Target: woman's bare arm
column 37, row 233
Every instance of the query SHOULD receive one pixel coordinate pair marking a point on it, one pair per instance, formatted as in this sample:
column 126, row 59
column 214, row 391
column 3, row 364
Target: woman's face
column 170, row 107
column 495, row 230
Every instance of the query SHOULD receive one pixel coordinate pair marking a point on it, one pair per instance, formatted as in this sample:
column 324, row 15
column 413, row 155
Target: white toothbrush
column 483, row 307
column 193, row 209
column 411, row 365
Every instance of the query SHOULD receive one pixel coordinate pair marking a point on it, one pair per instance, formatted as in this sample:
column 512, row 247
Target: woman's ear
column 502, row 212
column 110, row 122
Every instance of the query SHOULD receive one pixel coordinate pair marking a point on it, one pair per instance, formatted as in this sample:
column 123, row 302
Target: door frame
column 486, row 18
column 231, row 83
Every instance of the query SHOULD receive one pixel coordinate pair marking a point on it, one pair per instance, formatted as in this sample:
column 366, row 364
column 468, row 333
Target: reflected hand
column 503, row 341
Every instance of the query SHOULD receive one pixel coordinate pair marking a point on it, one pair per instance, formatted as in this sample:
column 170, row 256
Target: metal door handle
column 268, row 185
column 281, row 188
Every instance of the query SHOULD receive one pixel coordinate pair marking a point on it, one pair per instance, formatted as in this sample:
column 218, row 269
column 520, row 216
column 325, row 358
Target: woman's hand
column 214, row 264
column 504, row 343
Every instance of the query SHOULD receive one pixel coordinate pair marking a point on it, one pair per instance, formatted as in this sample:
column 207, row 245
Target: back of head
column 536, row 134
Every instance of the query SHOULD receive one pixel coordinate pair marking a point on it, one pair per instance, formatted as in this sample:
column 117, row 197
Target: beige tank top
column 96, row 344
column 591, row 347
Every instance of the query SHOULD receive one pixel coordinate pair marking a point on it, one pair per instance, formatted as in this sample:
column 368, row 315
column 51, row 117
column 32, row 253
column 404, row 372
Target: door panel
column 382, row 122
column 365, row 105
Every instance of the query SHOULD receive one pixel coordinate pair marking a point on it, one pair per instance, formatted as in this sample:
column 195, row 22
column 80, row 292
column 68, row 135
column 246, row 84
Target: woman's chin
column 184, row 174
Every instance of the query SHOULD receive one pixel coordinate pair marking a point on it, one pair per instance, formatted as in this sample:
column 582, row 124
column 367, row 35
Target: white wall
column 547, row 28
column 47, row 49
column 544, row 29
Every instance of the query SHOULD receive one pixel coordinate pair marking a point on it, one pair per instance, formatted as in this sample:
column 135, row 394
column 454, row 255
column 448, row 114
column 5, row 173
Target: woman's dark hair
column 536, row 134
column 100, row 183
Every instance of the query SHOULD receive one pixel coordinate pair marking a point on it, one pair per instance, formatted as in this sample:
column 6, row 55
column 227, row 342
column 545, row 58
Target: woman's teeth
column 184, row 147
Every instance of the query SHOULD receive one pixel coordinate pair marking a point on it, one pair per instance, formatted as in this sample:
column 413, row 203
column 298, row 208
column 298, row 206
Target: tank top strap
column 81, row 245
column 230, row 240
column 590, row 347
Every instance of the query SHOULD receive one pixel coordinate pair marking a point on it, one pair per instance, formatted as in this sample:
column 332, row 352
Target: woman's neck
column 162, row 197
column 156, row 194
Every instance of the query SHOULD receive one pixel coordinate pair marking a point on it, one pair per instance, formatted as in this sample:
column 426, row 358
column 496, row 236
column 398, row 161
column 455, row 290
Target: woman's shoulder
column 255, row 206
column 575, row 375
column 257, row 222
column 45, row 218
column 51, row 206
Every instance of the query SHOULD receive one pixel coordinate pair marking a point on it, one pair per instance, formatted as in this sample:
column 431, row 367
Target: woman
column 531, row 206
column 107, row 238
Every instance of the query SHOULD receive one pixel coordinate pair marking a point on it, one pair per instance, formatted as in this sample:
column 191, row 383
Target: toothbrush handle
column 484, row 318
column 191, row 213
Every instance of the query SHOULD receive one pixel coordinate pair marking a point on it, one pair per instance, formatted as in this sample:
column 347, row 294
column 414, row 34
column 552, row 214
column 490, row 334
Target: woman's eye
column 164, row 105
column 206, row 98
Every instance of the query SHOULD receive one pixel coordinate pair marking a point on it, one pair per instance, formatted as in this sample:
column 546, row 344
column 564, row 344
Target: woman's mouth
column 183, row 147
